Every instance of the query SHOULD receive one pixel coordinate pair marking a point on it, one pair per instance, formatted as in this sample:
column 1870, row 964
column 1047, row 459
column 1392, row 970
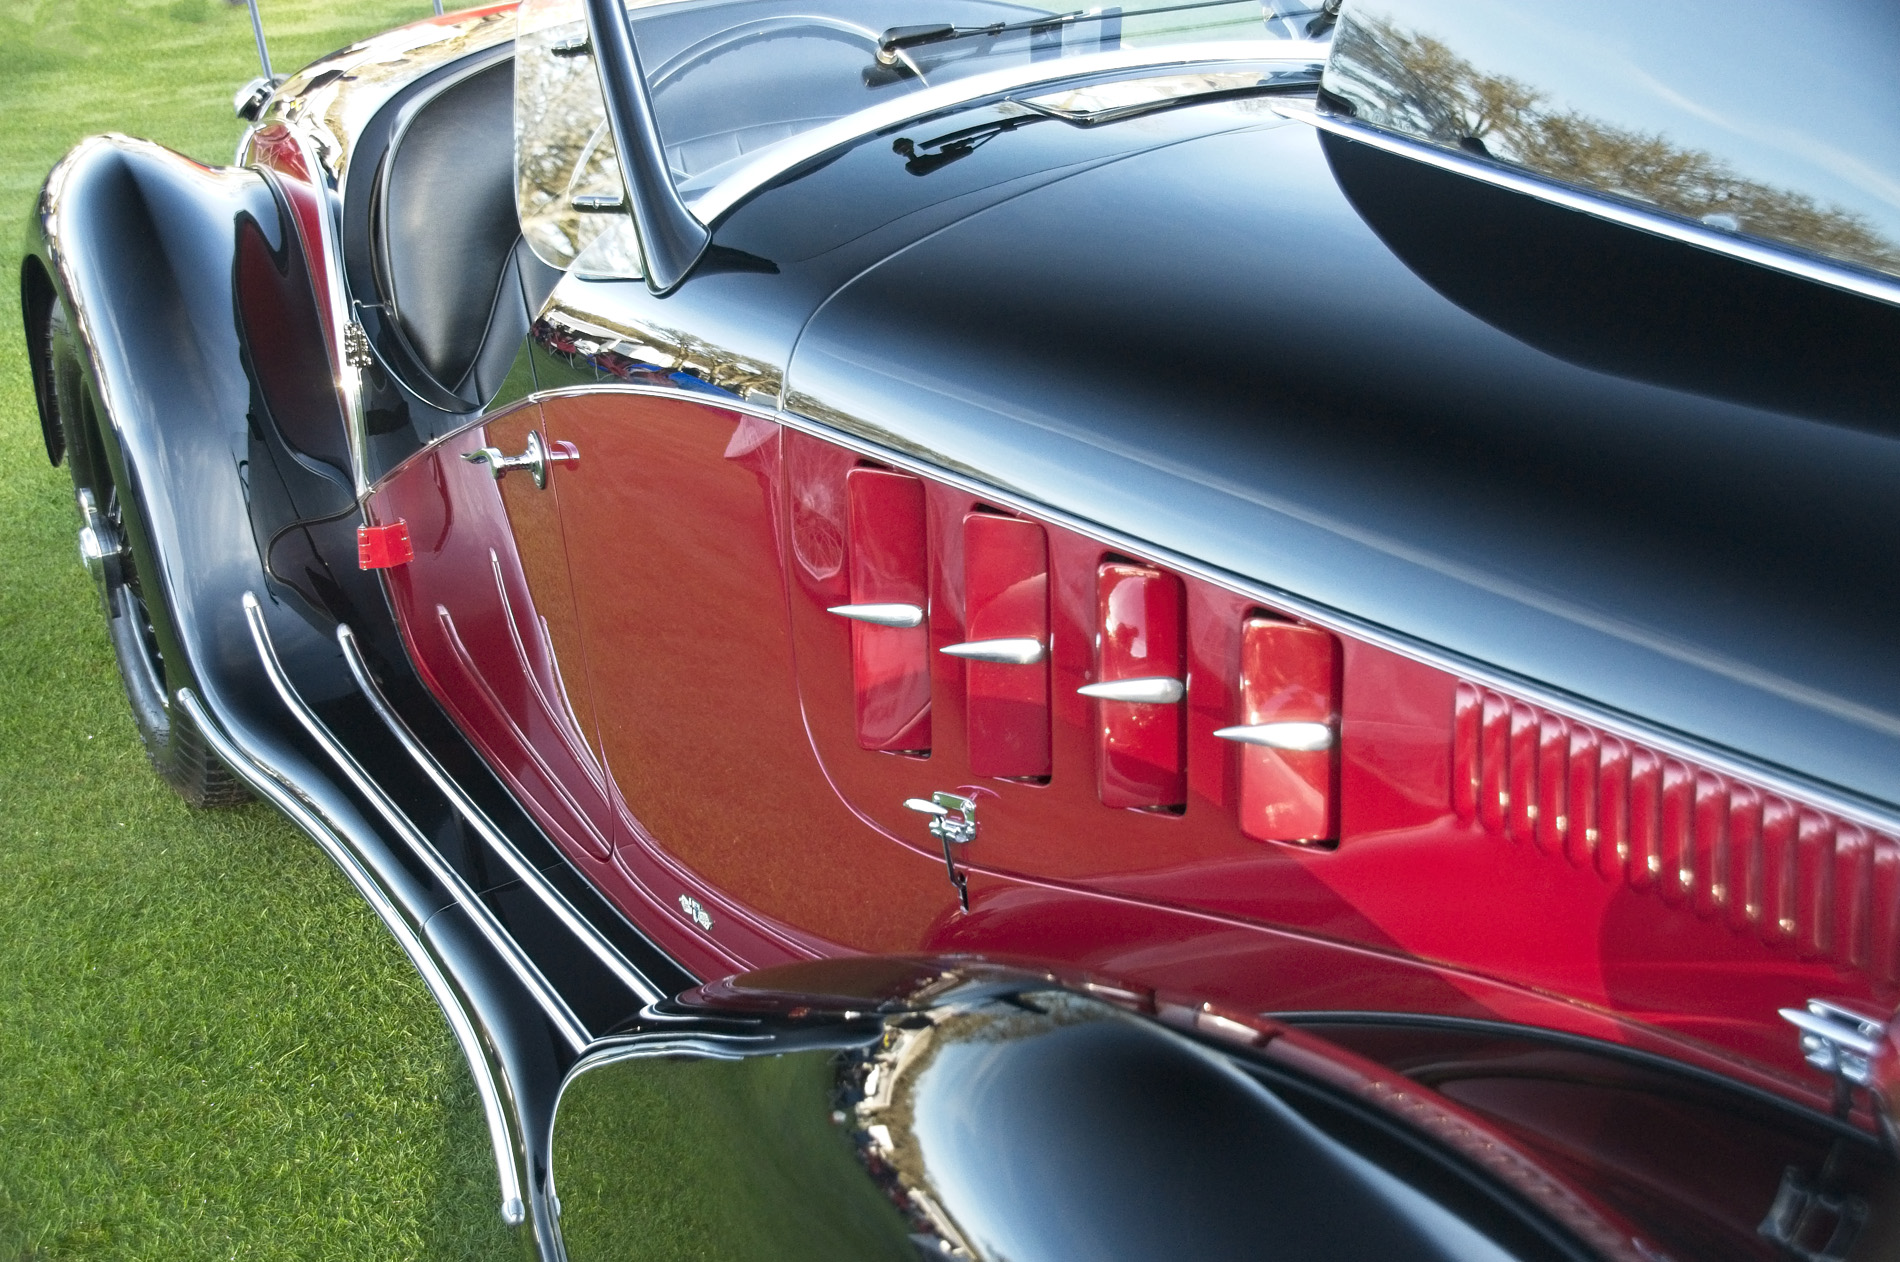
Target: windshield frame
column 770, row 165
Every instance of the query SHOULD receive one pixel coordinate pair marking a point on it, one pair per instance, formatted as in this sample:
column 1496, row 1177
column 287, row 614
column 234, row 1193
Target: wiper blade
column 898, row 38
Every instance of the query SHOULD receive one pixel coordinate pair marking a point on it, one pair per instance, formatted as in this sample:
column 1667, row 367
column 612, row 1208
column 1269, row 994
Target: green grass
column 209, row 1048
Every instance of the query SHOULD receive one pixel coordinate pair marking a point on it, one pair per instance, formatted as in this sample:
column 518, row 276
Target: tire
column 138, row 621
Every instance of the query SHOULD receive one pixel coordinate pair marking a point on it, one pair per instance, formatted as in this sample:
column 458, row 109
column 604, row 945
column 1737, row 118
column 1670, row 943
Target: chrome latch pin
column 952, row 820
column 1839, row 1042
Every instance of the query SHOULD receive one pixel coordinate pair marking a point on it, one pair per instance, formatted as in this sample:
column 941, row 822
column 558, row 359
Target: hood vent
column 1698, row 839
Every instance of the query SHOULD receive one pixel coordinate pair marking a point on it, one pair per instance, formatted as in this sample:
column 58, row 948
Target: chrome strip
column 794, row 151
column 590, row 937
column 1154, row 690
column 1877, row 815
column 891, row 615
column 1656, row 223
column 1305, row 738
column 481, row 1068
column 559, row 1014
column 1011, row 651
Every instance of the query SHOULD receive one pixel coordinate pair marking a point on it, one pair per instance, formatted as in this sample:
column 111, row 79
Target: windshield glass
column 947, row 49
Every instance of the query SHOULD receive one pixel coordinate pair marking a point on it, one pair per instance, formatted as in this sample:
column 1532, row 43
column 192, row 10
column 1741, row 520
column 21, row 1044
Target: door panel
column 487, row 611
column 672, row 526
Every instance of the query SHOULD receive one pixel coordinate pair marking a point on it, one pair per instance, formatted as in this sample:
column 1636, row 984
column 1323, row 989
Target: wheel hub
column 100, row 549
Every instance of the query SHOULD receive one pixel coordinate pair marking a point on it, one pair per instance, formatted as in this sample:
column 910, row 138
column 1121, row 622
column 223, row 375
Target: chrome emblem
column 696, row 912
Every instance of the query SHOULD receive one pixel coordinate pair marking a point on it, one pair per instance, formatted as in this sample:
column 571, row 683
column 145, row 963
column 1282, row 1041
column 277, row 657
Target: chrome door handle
column 535, row 460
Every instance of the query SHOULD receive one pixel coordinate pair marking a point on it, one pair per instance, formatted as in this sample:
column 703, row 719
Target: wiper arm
column 898, row 38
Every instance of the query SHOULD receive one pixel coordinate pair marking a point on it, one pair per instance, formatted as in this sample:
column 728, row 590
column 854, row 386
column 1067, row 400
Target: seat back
column 444, row 233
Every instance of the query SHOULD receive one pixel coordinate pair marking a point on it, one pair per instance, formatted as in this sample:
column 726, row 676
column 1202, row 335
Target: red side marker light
column 383, row 547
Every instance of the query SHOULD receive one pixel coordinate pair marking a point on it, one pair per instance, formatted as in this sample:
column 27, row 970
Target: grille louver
column 1698, row 839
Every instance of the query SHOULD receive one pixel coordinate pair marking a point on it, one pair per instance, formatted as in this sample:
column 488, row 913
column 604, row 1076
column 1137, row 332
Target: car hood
column 1208, row 346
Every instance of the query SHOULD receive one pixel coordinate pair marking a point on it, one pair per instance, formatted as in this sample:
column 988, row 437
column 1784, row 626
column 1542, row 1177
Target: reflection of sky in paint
column 1803, row 96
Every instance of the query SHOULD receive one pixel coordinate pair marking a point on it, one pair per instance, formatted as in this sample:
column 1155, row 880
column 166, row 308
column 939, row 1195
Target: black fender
column 207, row 392
column 904, row 1108
column 143, row 248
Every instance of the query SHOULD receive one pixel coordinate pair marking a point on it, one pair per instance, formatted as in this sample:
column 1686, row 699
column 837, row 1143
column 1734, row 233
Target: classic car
column 1185, row 628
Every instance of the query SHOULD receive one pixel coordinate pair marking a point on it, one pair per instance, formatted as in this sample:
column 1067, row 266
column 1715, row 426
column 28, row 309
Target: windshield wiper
column 898, row 38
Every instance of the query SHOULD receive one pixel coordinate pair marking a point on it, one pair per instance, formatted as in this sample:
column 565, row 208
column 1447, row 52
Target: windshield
column 729, row 80
column 940, row 51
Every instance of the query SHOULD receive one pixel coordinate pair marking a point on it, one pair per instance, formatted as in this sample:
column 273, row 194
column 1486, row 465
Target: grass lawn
column 209, row 1048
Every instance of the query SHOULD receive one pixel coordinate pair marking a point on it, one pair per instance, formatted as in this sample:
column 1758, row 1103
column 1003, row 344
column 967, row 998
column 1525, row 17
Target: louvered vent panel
column 1699, row 840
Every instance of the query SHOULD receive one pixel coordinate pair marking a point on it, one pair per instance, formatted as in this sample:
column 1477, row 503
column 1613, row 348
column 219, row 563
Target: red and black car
column 1182, row 628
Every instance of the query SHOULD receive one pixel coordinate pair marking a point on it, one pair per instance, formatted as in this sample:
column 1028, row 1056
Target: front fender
column 201, row 359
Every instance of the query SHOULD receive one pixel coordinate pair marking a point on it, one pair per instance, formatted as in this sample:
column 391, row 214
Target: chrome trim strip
column 1877, row 815
column 1011, row 651
column 482, row 1069
column 891, row 615
column 1305, row 738
column 794, row 151
column 559, row 1014
column 1747, row 249
column 531, row 877
column 1152, row 690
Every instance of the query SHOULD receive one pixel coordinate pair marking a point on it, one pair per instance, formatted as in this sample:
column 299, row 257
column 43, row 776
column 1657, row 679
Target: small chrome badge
column 696, row 912
column 356, row 350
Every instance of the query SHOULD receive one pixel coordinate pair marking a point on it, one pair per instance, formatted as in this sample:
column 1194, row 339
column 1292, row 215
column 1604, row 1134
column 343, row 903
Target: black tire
column 138, row 621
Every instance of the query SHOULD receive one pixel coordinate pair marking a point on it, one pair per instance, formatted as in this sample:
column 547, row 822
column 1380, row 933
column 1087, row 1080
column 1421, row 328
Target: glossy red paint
column 890, row 665
column 1710, row 844
column 1006, row 597
column 1494, row 857
column 487, row 613
column 1141, row 753
column 816, row 511
column 1287, row 675
column 674, row 534
column 1693, row 1168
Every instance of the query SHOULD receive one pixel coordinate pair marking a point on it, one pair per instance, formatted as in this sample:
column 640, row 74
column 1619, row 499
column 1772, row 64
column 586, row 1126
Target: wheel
column 138, row 622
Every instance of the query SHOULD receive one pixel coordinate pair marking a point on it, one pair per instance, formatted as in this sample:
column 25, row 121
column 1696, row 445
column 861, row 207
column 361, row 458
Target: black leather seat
column 455, row 277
